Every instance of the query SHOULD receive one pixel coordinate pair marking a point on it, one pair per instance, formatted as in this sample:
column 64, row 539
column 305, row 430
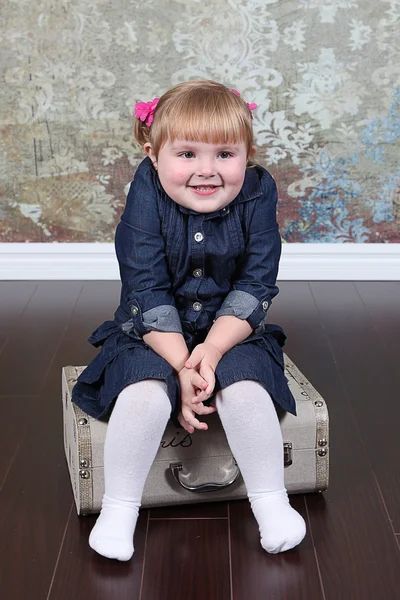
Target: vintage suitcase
column 198, row 467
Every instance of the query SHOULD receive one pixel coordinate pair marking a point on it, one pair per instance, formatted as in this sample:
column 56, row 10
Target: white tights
column 134, row 432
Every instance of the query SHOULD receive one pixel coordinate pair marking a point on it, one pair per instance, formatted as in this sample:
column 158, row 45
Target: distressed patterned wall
column 325, row 73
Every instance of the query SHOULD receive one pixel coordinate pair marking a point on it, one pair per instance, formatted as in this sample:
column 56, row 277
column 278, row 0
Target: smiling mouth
column 205, row 188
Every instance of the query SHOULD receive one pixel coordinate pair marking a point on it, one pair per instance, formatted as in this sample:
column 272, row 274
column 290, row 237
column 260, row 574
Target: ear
column 148, row 148
column 252, row 152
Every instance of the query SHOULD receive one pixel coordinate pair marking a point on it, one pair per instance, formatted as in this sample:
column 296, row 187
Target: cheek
column 236, row 178
column 235, row 172
column 169, row 177
column 179, row 177
column 174, row 176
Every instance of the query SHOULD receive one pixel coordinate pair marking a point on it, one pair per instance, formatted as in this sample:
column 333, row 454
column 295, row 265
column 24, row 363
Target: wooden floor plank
column 187, row 559
column 382, row 303
column 207, row 510
column 96, row 304
column 370, row 378
column 25, row 357
column 34, row 505
column 3, row 341
column 36, row 498
column 14, row 297
column 82, row 574
column 258, row 575
column 16, row 413
column 356, row 559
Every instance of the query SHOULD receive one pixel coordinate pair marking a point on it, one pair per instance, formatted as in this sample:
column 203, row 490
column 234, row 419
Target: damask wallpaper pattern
column 325, row 74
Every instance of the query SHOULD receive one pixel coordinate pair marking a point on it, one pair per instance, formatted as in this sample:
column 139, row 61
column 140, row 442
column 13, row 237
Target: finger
column 198, row 381
column 191, row 420
column 185, row 425
column 210, row 410
column 208, row 374
column 194, row 359
column 200, row 409
column 201, row 397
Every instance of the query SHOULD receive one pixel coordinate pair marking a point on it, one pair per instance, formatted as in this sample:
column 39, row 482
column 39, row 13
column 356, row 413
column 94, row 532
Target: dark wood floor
column 344, row 336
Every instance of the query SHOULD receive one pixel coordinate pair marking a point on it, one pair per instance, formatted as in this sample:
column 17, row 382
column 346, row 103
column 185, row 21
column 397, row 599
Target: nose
column 205, row 168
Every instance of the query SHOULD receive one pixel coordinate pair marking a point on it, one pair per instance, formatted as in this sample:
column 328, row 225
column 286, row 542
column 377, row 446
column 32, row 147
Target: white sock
column 252, row 428
column 134, row 432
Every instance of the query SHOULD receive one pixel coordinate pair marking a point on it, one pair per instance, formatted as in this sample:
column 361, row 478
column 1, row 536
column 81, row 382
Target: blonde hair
column 199, row 111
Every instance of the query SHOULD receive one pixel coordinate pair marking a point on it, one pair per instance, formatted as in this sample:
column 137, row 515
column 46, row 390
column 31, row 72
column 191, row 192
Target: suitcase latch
column 287, row 454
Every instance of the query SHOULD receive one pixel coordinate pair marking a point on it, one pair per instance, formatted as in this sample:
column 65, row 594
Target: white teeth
column 204, row 188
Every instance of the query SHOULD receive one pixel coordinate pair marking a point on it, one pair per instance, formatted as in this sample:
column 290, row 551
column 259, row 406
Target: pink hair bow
column 251, row 105
column 145, row 111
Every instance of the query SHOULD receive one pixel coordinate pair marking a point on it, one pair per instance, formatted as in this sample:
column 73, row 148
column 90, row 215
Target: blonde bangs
column 201, row 111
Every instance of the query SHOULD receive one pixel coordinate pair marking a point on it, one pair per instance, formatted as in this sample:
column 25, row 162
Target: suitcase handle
column 176, row 468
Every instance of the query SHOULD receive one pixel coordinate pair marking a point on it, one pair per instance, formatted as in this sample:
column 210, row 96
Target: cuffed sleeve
column 140, row 249
column 254, row 282
column 239, row 304
column 163, row 318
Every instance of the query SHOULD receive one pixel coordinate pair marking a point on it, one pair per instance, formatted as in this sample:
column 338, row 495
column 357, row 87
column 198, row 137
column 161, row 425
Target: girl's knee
column 243, row 388
column 241, row 392
column 147, row 394
column 144, row 385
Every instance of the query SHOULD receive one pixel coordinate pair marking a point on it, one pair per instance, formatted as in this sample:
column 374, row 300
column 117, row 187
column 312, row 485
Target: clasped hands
column 197, row 381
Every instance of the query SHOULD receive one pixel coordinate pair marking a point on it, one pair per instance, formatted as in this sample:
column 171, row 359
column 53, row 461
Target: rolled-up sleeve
column 140, row 249
column 254, row 282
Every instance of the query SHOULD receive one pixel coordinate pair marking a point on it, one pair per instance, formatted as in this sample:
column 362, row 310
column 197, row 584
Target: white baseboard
column 306, row 262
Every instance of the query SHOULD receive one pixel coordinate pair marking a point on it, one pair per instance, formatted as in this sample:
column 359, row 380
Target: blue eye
column 185, row 154
column 225, row 154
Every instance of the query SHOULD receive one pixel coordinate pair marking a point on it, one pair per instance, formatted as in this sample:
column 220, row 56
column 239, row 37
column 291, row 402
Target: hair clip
column 145, row 111
column 251, row 105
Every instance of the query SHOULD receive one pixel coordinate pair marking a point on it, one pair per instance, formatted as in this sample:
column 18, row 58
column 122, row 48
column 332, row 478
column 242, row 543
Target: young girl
column 198, row 247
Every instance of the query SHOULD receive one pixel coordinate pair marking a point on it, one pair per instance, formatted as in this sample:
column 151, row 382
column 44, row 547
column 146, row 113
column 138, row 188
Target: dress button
column 134, row 310
column 197, row 273
column 198, row 236
column 225, row 210
column 265, row 305
column 197, row 306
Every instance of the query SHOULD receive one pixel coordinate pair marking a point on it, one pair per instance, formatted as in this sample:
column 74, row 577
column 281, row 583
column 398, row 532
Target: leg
column 253, row 431
column 133, row 437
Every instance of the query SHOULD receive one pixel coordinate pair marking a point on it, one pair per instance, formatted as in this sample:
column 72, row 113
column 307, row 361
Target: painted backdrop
column 325, row 74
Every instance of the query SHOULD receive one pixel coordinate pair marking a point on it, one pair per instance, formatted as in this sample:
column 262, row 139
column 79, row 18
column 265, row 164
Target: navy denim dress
column 180, row 270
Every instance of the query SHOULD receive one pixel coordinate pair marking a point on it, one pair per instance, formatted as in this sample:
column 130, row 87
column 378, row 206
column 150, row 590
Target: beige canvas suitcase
column 198, row 467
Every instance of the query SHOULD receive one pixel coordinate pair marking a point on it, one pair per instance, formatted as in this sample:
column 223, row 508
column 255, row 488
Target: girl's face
column 200, row 176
